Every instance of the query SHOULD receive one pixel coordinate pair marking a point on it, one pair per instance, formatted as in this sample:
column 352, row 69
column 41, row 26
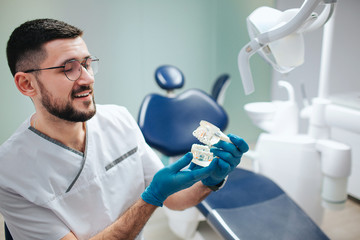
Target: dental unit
column 281, row 153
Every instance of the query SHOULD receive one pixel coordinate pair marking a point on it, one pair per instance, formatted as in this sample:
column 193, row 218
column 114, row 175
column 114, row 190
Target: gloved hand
column 227, row 157
column 171, row 179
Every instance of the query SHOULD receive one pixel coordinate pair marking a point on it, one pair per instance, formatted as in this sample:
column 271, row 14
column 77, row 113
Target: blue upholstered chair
column 250, row 206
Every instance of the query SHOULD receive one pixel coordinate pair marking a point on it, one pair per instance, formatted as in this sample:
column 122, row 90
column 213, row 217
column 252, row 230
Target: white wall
column 132, row 38
column 345, row 64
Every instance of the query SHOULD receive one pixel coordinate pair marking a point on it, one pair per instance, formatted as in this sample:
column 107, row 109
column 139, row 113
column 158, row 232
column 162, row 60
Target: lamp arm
column 324, row 16
column 296, row 22
column 244, row 65
column 263, row 39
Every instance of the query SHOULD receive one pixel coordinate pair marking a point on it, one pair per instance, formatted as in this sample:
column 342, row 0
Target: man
column 76, row 170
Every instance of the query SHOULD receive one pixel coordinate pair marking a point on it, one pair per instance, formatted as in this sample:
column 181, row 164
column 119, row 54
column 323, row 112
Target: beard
column 65, row 110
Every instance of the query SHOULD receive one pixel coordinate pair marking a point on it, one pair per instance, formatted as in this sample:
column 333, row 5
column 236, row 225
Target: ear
column 24, row 82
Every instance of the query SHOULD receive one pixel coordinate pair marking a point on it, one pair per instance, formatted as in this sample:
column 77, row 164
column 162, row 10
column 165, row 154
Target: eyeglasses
column 73, row 67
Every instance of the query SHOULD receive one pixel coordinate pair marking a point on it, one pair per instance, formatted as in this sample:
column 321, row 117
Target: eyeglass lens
column 73, row 68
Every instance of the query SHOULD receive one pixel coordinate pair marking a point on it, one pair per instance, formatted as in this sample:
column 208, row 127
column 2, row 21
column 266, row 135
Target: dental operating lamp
column 278, row 37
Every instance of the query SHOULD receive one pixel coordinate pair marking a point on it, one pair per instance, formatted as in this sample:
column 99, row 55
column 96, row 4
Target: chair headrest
column 169, row 77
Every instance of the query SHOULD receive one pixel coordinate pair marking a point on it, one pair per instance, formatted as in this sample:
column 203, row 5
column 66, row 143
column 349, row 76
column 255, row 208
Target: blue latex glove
column 227, row 157
column 171, row 179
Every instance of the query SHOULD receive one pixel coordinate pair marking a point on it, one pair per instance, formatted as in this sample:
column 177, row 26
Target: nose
column 85, row 77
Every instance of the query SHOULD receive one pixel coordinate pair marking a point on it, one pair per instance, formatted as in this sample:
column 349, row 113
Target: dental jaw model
column 207, row 134
column 201, row 155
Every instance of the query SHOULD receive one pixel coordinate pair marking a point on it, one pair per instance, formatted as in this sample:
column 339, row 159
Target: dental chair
column 249, row 206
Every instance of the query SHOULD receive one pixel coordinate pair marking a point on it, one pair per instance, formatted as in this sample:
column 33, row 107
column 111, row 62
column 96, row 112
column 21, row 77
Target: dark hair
column 25, row 45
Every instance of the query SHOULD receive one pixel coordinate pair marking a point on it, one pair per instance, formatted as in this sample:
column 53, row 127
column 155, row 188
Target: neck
column 71, row 134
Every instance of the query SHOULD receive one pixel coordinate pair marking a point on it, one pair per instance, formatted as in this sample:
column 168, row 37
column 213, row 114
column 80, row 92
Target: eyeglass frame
column 93, row 59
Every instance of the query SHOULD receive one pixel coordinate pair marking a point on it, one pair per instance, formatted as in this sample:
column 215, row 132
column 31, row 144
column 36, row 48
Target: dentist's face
column 65, row 99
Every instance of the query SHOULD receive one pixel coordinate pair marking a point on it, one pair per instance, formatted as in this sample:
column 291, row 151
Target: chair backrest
column 219, row 88
column 167, row 123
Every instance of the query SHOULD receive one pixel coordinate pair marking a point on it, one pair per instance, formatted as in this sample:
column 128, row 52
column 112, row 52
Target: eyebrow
column 69, row 59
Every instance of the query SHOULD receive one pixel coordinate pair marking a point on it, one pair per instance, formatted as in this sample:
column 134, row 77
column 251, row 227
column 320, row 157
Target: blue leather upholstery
column 219, row 87
column 251, row 206
column 169, row 77
column 167, row 123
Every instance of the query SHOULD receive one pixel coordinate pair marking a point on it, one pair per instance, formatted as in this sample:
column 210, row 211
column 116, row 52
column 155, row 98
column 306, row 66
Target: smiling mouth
column 82, row 95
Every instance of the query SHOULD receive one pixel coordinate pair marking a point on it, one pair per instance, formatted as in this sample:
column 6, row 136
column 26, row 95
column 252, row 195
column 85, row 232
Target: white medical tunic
column 48, row 189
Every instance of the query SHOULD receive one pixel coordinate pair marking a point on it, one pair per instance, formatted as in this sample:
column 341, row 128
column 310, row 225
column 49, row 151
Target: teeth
column 82, row 95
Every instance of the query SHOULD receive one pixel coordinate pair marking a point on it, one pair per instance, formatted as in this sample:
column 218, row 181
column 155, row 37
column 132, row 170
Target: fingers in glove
column 236, row 148
column 242, row 146
column 226, row 156
column 203, row 172
column 181, row 163
column 224, row 167
column 221, row 166
column 193, row 166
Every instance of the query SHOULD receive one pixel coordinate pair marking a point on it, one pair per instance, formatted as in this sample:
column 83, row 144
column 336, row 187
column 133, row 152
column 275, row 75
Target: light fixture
column 278, row 37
